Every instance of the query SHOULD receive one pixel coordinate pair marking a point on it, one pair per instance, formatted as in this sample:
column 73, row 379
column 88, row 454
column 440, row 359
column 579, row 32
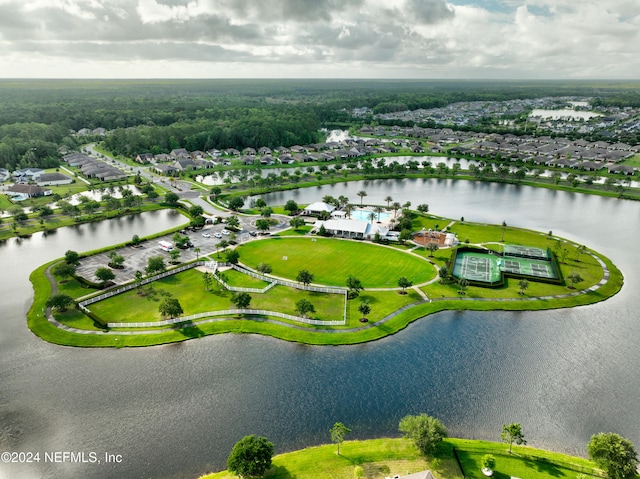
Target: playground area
column 518, row 260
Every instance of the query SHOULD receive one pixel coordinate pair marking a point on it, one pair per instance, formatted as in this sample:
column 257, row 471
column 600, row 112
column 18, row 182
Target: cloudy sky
column 530, row 39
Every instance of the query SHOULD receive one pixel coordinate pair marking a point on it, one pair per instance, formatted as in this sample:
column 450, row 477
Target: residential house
column 51, row 179
column 179, row 153
column 25, row 175
column 21, row 191
column 621, row 169
column 4, row 174
column 165, row 169
column 144, row 158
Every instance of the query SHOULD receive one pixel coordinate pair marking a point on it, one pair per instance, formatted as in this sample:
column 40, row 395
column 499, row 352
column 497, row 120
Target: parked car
column 206, row 235
column 217, row 235
column 253, row 233
column 226, row 232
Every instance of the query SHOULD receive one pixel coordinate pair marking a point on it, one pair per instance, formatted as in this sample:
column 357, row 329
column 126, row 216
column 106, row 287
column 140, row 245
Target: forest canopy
column 39, row 116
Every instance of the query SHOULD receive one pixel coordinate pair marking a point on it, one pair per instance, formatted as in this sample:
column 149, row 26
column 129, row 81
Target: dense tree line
column 38, row 116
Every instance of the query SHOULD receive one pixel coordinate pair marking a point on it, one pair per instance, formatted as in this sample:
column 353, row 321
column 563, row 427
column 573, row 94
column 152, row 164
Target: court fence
column 552, row 263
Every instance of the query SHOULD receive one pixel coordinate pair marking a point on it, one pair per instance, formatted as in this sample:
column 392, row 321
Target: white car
column 217, row 235
column 226, row 232
column 206, row 235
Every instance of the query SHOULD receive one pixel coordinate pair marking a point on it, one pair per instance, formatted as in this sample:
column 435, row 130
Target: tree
column 404, row 283
column 262, row 224
column 138, row 279
column 512, row 433
column 354, row 285
column 116, row 260
column 580, row 250
column 221, row 246
column 207, row 280
column 304, row 277
column 388, row 199
column 425, row 431
column 104, row 275
column 574, row 278
column 264, row 268
column 304, row 306
column 523, row 284
column 405, row 235
column 338, row 432
column 232, row 256
column 135, row 240
column 266, row 212
column 215, row 191
column 233, row 222
column 291, row 206
column 364, row 308
column 504, row 227
column 250, row 457
column 196, row 210
column 170, row 308
column 462, row 285
column 423, row 208
column 488, row 462
column 241, row 300
column 71, row 257
column 432, row 247
column 236, row 203
column 64, row 270
column 361, row 194
column 197, row 251
column 296, row 223
column 260, row 203
column 174, row 254
column 60, row 302
column 614, row 454
column 155, row 264
column 171, row 198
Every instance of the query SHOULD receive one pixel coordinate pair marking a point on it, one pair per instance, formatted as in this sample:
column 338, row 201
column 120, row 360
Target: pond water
column 175, row 411
column 564, row 114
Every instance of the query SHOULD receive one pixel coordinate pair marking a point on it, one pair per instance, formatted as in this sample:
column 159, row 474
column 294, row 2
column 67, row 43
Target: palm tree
column 371, row 216
column 362, row 194
column 396, row 206
column 388, row 199
column 197, row 252
column 378, row 209
column 348, row 210
column 343, row 201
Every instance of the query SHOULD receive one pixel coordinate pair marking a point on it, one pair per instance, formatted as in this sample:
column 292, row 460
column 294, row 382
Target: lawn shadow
column 278, row 472
column 191, row 330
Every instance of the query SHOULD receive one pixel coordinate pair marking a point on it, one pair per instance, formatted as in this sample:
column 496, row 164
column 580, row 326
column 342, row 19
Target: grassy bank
column 375, row 265
column 380, row 458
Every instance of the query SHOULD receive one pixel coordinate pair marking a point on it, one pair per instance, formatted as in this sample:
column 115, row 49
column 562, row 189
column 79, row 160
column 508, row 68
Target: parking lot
column 136, row 258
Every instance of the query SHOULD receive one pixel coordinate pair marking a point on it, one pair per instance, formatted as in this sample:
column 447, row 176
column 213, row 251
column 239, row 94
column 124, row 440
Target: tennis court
column 528, row 267
column 476, row 267
column 525, row 252
column 488, row 268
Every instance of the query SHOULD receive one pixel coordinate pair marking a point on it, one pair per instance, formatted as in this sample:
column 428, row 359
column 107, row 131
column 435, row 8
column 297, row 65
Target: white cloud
column 374, row 38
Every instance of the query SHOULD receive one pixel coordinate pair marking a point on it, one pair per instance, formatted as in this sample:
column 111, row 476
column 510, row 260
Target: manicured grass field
column 188, row 288
column 382, row 458
column 332, row 261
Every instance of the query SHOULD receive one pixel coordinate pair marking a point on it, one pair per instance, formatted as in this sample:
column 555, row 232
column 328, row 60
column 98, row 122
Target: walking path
column 365, row 326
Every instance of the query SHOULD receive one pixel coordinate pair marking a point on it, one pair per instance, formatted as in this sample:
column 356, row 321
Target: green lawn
column 524, row 462
column 188, row 288
column 241, row 280
column 382, row 458
column 331, row 261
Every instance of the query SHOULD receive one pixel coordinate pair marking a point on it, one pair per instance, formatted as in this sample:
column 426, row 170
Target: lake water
column 564, row 114
column 175, row 411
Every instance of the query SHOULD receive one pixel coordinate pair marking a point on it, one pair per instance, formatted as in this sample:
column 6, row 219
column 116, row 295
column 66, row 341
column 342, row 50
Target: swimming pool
column 364, row 215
